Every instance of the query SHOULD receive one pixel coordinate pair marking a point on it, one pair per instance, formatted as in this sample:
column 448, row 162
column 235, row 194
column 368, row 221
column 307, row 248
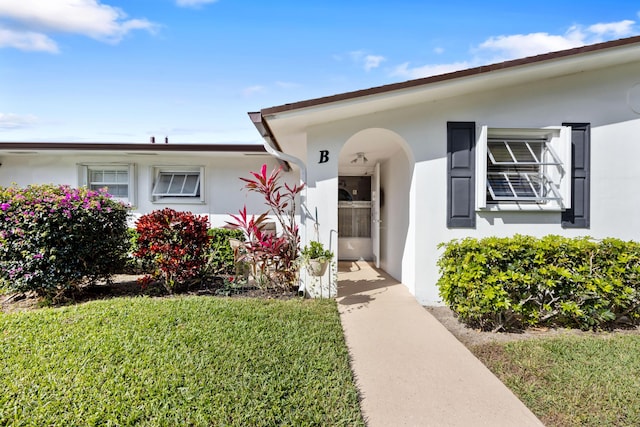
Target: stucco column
column 322, row 210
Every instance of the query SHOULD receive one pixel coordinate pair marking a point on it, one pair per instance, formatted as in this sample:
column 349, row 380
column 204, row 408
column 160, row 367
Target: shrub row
column 220, row 260
column 52, row 238
column 56, row 238
column 513, row 283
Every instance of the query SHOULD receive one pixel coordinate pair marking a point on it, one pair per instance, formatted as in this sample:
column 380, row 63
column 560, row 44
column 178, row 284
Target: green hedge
column 221, row 261
column 512, row 283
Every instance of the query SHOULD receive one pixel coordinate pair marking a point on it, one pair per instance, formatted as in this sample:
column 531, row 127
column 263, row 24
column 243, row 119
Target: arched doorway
column 375, row 169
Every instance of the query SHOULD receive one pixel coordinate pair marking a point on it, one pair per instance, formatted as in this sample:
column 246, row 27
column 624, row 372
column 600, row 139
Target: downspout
column 267, row 140
column 268, row 137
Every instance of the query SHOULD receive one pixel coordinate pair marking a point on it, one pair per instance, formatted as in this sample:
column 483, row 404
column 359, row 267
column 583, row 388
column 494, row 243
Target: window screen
column 115, row 181
column 354, row 221
column 516, row 170
column 177, row 184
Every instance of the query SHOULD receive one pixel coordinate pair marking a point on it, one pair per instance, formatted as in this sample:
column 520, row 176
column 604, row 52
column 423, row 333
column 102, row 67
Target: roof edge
column 483, row 69
column 121, row 146
column 267, row 135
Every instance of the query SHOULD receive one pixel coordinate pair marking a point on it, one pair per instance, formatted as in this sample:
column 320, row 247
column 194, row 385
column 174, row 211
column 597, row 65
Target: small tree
column 271, row 256
column 175, row 244
column 54, row 238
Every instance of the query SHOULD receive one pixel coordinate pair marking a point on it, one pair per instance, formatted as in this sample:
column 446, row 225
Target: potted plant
column 316, row 258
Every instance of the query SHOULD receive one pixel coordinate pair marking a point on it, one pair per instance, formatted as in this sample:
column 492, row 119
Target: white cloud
column 367, row 61
column 438, row 50
column 27, row 40
column 404, row 71
column 506, row 47
column 615, row 29
column 287, row 85
column 252, row 90
column 373, row 61
column 33, row 19
column 16, row 121
column 521, row 45
column 193, row 3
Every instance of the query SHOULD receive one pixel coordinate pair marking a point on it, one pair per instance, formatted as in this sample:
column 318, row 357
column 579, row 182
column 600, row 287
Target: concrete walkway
column 409, row 369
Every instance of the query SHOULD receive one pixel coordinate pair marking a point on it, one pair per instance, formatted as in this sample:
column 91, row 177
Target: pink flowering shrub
column 54, row 238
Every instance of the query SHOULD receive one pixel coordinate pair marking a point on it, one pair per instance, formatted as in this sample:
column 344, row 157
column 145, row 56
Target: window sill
column 521, row 207
column 178, row 201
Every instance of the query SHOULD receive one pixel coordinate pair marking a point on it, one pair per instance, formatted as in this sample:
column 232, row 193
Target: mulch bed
column 126, row 285
column 477, row 339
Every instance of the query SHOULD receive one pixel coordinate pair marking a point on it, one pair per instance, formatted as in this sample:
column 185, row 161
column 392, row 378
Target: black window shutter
column 461, row 142
column 579, row 214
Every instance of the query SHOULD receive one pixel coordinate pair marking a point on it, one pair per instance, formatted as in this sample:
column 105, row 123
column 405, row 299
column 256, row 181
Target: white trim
column 528, row 207
column 564, row 141
column 557, row 168
column 481, row 169
column 85, row 181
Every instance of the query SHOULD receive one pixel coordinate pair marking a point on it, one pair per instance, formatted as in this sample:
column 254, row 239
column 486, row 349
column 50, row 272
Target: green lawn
column 572, row 381
column 196, row 361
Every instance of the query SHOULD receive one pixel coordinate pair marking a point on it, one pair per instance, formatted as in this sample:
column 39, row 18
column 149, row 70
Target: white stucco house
column 548, row 144
column 201, row 178
column 542, row 145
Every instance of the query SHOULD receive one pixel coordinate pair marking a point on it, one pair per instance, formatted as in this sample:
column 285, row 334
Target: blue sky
column 123, row 70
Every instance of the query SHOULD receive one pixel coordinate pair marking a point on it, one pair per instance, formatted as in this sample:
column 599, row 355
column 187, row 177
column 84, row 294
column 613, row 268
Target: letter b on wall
column 324, row 156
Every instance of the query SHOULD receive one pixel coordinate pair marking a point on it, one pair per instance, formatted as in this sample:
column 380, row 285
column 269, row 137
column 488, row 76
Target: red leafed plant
column 273, row 258
column 175, row 244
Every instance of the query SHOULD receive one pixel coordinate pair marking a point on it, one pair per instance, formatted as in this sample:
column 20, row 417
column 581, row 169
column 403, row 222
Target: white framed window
column 117, row 178
column 178, row 184
column 524, row 168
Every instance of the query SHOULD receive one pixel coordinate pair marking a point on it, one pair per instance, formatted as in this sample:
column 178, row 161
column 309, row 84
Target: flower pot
column 316, row 267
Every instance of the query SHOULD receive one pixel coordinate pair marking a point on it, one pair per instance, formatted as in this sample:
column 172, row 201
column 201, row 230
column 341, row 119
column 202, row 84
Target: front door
column 355, row 217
